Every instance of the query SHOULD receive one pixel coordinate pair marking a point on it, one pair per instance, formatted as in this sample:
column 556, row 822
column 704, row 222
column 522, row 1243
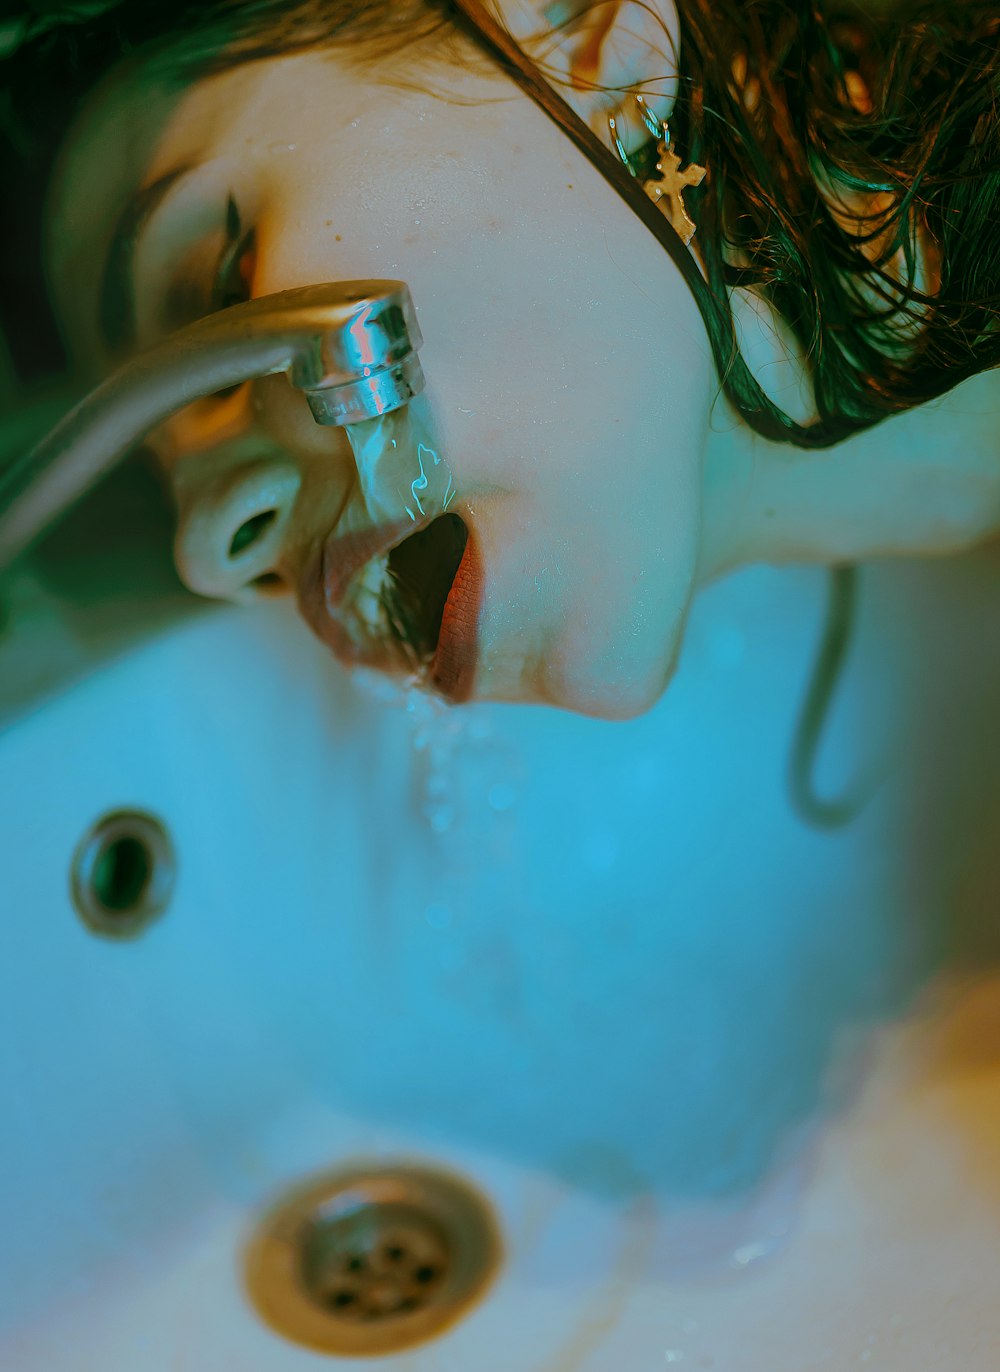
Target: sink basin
column 729, row 1082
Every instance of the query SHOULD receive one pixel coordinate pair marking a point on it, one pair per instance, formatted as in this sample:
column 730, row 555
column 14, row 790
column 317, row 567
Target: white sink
column 730, row 1083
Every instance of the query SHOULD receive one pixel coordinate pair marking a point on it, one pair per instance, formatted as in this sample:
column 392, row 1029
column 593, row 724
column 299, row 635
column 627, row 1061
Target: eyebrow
column 116, row 303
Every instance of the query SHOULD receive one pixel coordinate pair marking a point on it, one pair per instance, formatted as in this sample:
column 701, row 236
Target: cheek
column 517, row 298
column 592, row 560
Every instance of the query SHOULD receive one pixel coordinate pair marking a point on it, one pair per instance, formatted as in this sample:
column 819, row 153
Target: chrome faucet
column 350, row 346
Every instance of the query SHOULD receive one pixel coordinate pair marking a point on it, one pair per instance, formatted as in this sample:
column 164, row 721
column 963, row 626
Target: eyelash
column 231, row 282
column 232, row 277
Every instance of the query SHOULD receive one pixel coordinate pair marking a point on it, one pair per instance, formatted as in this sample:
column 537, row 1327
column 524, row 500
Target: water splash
column 464, row 775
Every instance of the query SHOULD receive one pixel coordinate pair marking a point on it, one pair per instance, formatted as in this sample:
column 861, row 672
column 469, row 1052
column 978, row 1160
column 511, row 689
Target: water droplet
column 750, row 1252
column 501, row 797
column 438, row 916
column 441, row 818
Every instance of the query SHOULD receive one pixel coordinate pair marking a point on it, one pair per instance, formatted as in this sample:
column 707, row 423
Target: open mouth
column 408, row 607
column 398, row 598
column 419, row 575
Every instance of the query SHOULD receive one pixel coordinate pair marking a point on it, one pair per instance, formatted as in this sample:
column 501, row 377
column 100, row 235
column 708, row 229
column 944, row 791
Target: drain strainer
column 370, row 1261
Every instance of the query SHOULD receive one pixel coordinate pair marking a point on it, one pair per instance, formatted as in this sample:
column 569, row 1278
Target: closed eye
column 234, row 272
column 233, row 279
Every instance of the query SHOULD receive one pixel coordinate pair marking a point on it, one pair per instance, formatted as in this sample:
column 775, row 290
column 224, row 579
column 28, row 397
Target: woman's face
column 568, row 374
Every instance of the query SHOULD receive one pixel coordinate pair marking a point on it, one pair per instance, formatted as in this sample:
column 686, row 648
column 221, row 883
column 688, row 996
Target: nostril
column 269, row 584
column 250, row 531
column 234, row 525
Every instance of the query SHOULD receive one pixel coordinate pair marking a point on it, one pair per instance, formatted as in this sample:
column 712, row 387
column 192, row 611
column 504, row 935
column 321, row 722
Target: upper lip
column 325, row 584
column 341, row 558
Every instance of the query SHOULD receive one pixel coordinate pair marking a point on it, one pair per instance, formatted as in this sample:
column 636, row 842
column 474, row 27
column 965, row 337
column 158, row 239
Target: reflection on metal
column 372, row 1260
column 123, row 873
column 349, row 346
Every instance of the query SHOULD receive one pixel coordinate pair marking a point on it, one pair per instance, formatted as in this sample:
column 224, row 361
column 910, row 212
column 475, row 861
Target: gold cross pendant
column 665, row 189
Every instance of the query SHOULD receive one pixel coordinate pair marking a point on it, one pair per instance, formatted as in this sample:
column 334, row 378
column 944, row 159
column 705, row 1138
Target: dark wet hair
column 782, row 132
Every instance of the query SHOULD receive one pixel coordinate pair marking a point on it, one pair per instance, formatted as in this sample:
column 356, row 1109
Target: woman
column 844, row 270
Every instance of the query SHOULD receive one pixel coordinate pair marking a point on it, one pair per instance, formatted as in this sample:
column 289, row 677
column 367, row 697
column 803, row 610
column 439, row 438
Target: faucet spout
column 349, row 346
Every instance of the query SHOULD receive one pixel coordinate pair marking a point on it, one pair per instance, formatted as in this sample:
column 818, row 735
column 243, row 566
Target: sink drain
column 122, row 875
column 372, row 1261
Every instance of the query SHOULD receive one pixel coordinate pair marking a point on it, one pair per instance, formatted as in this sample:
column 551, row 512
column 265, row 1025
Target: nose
column 231, row 532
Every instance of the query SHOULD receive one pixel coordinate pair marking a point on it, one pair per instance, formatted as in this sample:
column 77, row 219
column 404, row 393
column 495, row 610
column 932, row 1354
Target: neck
column 921, row 484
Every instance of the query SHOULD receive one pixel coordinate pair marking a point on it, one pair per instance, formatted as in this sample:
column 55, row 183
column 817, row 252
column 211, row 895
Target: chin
column 618, row 702
column 611, row 694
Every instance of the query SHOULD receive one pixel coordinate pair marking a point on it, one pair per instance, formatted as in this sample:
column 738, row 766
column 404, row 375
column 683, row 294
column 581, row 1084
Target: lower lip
column 453, row 667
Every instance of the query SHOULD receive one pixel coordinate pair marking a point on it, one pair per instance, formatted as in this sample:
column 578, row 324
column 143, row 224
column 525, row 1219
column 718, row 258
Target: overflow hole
column 122, row 875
